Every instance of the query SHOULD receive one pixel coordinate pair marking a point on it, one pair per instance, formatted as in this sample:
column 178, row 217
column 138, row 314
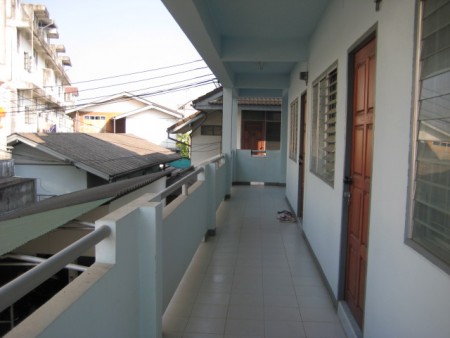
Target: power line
column 125, row 83
column 148, row 94
column 142, row 80
column 139, row 72
column 156, row 86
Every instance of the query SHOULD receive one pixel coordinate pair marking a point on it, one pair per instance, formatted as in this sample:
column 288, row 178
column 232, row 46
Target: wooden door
column 301, row 158
column 360, row 180
column 253, row 135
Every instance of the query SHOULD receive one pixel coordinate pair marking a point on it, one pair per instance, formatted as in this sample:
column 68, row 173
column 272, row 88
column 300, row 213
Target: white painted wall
column 267, row 168
column 206, row 146
column 54, row 179
column 151, row 125
column 407, row 296
column 121, row 105
column 296, row 89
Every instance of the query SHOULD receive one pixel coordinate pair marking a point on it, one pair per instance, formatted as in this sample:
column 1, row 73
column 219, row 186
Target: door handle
column 348, row 180
column 348, row 196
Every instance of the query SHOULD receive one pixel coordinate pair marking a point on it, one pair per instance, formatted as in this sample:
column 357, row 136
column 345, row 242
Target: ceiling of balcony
column 250, row 45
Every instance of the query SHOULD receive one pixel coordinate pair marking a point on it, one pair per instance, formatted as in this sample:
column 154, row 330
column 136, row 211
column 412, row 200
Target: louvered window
column 293, row 132
column 323, row 143
column 430, row 211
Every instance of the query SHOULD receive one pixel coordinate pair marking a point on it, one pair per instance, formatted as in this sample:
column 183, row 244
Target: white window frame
column 323, row 128
column 413, row 237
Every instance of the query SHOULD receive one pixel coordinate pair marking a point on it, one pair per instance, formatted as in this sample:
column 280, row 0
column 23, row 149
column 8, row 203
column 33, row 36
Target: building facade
column 364, row 86
column 34, row 86
column 126, row 113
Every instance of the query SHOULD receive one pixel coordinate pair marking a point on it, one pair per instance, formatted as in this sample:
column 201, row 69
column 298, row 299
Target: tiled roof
column 112, row 155
column 242, row 101
column 259, row 101
column 207, row 95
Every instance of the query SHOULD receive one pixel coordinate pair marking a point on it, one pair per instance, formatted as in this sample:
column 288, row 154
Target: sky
column 107, row 39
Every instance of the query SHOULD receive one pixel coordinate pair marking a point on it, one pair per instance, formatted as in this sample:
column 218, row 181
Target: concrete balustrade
column 138, row 267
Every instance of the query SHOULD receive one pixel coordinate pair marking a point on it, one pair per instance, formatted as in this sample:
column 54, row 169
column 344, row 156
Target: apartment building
column 34, row 86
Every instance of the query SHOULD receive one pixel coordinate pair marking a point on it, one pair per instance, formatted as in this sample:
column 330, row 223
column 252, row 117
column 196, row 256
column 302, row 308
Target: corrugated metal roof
column 23, row 225
column 187, row 124
column 107, row 191
column 112, row 155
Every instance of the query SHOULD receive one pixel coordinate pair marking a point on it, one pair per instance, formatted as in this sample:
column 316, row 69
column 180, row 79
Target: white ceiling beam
column 262, row 81
column 260, row 92
column 273, row 50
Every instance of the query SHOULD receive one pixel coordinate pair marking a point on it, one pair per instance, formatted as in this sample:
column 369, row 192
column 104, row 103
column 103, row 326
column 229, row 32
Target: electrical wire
column 135, row 73
column 142, row 80
column 36, row 97
column 143, row 95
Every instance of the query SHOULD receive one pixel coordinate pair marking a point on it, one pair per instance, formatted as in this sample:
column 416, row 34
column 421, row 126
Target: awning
column 188, row 124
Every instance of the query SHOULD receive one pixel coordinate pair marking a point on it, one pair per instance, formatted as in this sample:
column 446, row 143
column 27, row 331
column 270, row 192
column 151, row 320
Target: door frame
column 364, row 40
column 302, row 146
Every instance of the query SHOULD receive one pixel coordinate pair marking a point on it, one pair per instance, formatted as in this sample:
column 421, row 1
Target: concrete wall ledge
column 38, row 321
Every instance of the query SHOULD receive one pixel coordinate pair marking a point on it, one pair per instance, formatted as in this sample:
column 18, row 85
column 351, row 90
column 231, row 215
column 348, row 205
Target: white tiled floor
column 256, row 278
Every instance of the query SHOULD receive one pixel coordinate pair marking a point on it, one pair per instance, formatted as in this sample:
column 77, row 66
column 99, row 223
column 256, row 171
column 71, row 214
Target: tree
column 184, row 144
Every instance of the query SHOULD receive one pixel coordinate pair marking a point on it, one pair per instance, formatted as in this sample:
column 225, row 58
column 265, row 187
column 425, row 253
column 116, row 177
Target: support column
column 210, row 178
column 229, row 132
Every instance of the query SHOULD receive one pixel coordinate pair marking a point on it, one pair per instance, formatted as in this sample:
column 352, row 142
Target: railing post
column 210, row 178
column 150, row 259
column 229, row 167
column 136, row 242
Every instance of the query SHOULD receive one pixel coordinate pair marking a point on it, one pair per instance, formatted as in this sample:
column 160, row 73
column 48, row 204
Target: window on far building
column 211, row 130
column 323, row 133
column 30, row 115
column 429, row 223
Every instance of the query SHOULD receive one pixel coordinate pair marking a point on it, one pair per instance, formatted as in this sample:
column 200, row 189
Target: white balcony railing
column 138, row 266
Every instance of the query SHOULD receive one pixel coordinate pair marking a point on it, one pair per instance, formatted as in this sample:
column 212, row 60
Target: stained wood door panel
column 361, row 173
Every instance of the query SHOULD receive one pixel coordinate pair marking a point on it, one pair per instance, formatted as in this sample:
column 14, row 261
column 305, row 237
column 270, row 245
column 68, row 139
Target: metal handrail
column 20, row 286
column 210, row 160
column 177, row 185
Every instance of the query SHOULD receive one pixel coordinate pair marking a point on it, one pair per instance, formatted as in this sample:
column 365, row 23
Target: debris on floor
column 285, row 216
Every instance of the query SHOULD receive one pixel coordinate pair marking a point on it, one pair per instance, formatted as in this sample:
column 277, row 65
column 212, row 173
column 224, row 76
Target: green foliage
column 184, row 139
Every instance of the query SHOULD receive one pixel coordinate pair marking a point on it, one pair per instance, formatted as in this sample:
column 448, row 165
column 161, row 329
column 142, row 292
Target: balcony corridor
column 256, row 278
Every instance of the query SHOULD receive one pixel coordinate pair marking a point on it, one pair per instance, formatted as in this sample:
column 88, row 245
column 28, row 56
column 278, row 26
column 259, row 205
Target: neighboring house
column 67, row 162
column 34, row 86
column 126, row 113
column 258, row 126
column 365, row 153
